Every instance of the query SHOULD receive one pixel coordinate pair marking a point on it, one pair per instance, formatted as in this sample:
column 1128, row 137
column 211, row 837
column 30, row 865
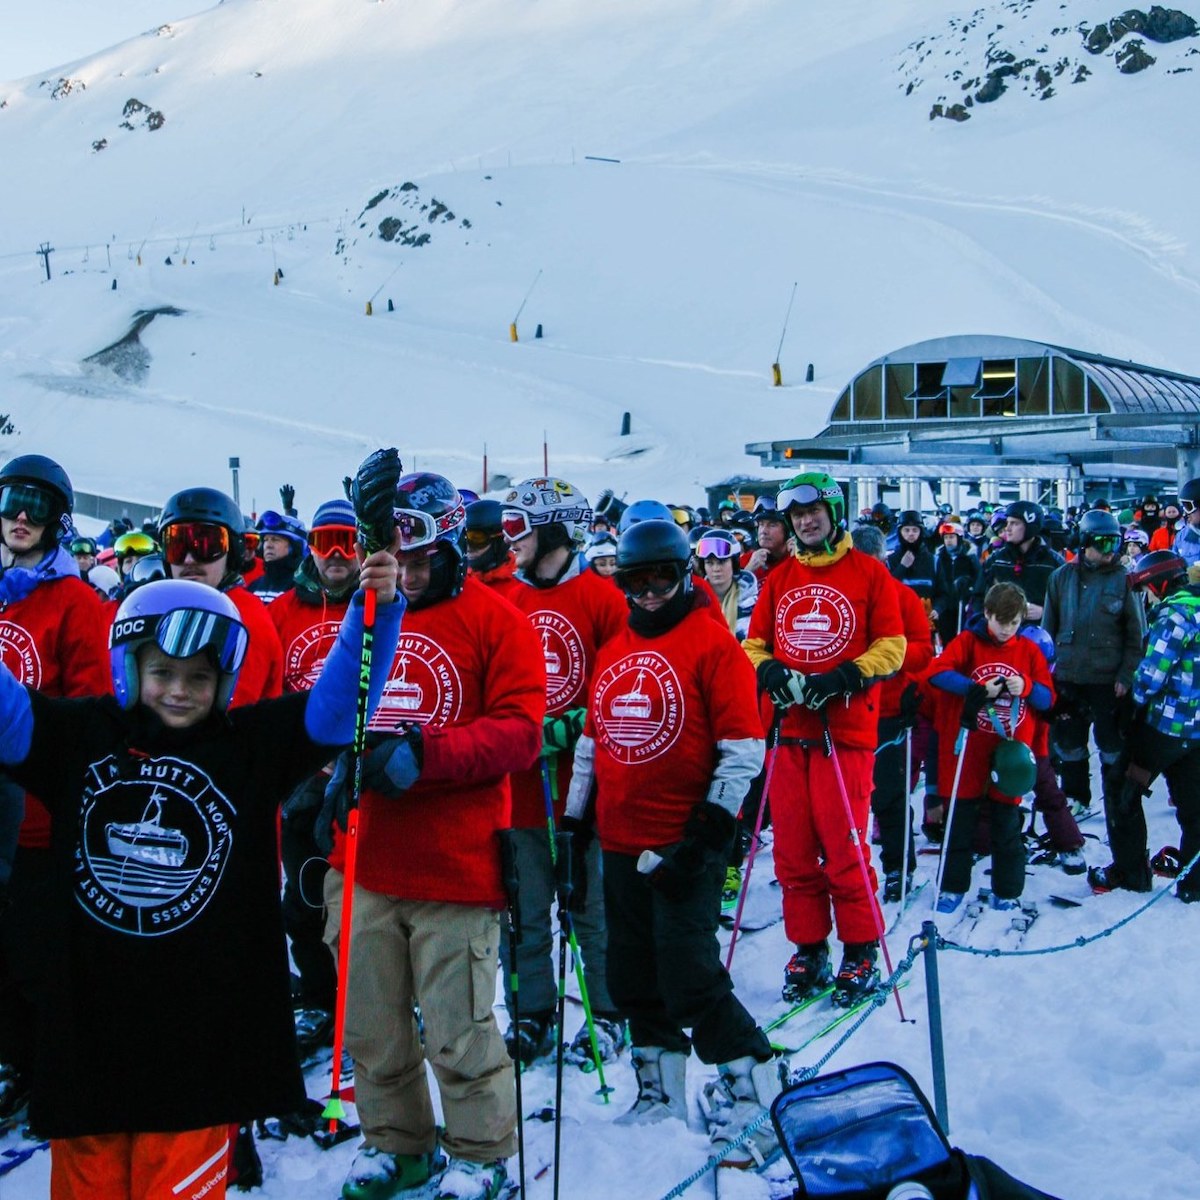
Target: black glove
column 395, row 763
column 707, row 839
column 372, row 491
column 560, row 733
column 910, row 705
column 682, row 865
column 844, row 680
column 963, row 588
column 713, row 827
column 335, row 805
column 974, row 700
column 306, row 799
column 582, row 833
column 287, row 494
column 784, row 686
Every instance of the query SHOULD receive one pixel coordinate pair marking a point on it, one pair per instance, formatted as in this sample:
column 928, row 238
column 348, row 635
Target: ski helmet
column 1029, row 514
column 1139, row 536
column 1013, row 768
column 765, row 510
column 643, row 510
column 182, row 618
column 811, row 486
column 273, row 524
column 600, row 545
column 684, row 516
column 1101, row 530
column 1042, row 640
column 882, row 515
column 1189, row 495
column 83, row 545
column 544, row 503
column 145, row 570
column 485, row 535
column 911, row 518
column 430, row 513
column 206, row 506
column 105, row 580
column 486, row 516
column 1157, row 570
column 648, row 549
column 38, row 486
column 715, row 543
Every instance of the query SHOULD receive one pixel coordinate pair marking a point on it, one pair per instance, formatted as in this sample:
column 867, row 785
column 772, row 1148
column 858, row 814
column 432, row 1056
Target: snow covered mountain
column 670, row 168
column 760, row 143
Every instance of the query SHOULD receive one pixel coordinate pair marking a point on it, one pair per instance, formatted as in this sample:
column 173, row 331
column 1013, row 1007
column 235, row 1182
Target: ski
column 843, row 1015
column 11, row 1159
column 902, row 911
column 798, row 1008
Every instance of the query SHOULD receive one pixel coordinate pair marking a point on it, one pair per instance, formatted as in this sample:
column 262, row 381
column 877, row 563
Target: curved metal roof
column 1129, row 387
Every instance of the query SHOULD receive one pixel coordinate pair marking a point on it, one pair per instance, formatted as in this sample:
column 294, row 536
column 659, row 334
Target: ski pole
column 511, row 880
column 334, row 1110
column 568, row 924
column 856, row 841
column 907, row 815
column 960, row 748
column 758, row 820
column 565, row 887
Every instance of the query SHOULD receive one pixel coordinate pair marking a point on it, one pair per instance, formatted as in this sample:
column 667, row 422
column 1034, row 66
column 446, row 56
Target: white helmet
column 537, row 502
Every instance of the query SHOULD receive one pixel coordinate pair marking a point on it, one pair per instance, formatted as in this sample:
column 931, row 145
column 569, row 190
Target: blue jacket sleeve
column 329, row 714
column 1039, row 697
column 951, row 681
column 16, row 720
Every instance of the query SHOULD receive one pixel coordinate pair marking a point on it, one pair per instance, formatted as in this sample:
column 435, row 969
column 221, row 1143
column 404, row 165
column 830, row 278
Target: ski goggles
column 657, row 579
column 327, row 540
column 802, row 494
column 478, row 539
column 1106, row 543
column 36, row 503
column 82, row 546
column 515, row 524
column 183, row 632
column 1188, row 506
column 146, row 570
column 272, row 522
column 135, row 543
column 205, row 542
column 713, row 547
column 416, row 529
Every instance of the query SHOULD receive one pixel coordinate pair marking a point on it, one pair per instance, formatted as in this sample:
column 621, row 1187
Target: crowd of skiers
column 619, row 697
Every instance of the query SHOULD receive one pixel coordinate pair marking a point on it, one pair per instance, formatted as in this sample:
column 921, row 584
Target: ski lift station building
column 1003, row 418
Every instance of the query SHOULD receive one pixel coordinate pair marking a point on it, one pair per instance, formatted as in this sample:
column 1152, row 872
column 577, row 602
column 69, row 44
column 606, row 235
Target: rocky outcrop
column 401, row 215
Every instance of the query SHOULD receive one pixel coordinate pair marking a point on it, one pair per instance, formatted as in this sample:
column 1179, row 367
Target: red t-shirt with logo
column 659, row 706
column 469, row 671
column 307, row 633
column 571, row 621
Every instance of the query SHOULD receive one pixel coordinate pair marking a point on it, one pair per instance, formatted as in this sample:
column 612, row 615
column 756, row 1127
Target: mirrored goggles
column 327, row 540
column 1106, row 543
column 250, row 540
column 135, row 543
column 272, row 522
column 515, row 524
column 478, row 539
column 416, row 529
column 183, row 632
column 82, row 546
column 204, row 542
column 657, row 579
column 711, row 547
column 36, row 503
column 803, row 493
column 147, row 570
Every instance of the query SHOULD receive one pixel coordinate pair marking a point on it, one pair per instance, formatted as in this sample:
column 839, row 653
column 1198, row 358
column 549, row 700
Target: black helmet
column 485, row 516
column 1029, row 513
column 46, row 475
column 440, row 524
column 210, row 507
column 765, row 510
column 1157, row 571
column 1099, row 524
column 1191, row 490
column 911, row 517
column 651, row 542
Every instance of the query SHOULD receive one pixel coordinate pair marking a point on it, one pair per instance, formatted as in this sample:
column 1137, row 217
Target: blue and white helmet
column 182, row 618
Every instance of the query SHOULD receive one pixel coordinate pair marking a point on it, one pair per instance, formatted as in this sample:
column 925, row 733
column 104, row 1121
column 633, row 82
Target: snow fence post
column 933, row 1000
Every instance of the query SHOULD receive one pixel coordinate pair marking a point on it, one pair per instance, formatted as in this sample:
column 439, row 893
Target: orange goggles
column 327, row 540
column 204, row 542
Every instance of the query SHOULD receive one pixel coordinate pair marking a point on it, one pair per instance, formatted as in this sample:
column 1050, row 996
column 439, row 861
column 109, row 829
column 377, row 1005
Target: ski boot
column 741, row 1093
column 314, row 1030
column 1072, row 862
column 531, row 1038
column 948, row 902
column 662, row 1086
column 1112, row 877
column 807, row 973
column 463, row 1180
column 732, row 888
column 1003, row 903
column 893, row 886
column 611, row 1033
column 857, row 976
column 376, row 1175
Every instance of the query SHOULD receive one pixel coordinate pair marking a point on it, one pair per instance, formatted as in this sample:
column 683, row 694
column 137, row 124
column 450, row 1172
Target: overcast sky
column 38, row 34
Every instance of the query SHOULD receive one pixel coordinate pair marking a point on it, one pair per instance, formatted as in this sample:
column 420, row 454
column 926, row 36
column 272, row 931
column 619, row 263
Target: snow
column 761, row 143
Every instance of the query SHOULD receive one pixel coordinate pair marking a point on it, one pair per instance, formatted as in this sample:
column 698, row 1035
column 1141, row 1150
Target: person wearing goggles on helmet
column 282, row 546
column 163, row 925
column 1135, row 544
column 826, row 627
column 83, row 550
column 667, row 789
column 774, row 536
column 573, row 612
column 489, row 558
column 129, row 547
column 955, row 572
column 1024, row 558
column 736, row 589
column 1098, row 625
column 1187, row 540
column 201, row 534
column 54, row 639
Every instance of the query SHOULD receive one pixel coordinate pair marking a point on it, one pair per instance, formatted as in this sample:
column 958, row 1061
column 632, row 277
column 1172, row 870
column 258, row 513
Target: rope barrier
column 1079, row 942
column 880, row 998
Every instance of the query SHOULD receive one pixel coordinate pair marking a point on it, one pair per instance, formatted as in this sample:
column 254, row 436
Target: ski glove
column 910, row 705
column 712, row 826
column 287, row 494
column 707, row 840
column 306, row 799
column 372, row 491
column 843, row 680
column 395, row 763
column 975, row 699
column 335, row 804
column 560, row 733
column 784, row 686
column 582, row 835
column 681, row 867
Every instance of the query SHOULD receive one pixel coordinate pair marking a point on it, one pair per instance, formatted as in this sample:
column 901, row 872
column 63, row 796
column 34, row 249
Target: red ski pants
column 816, row 860
column 141, row 1166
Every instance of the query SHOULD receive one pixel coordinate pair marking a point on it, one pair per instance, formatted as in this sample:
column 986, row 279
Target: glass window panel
column 841, row 410
column 961, row 372
column 868, row 395
column 1097, row 402
column 964, row 402
column 1033, row 387
column 1068, row 388
column 899, row 384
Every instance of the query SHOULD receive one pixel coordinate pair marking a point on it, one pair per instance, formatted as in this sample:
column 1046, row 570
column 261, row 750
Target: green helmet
column 1013, row 769
column 809, row 487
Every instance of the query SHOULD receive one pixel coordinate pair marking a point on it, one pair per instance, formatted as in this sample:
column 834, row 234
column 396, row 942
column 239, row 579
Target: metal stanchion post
column 933, row 1000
